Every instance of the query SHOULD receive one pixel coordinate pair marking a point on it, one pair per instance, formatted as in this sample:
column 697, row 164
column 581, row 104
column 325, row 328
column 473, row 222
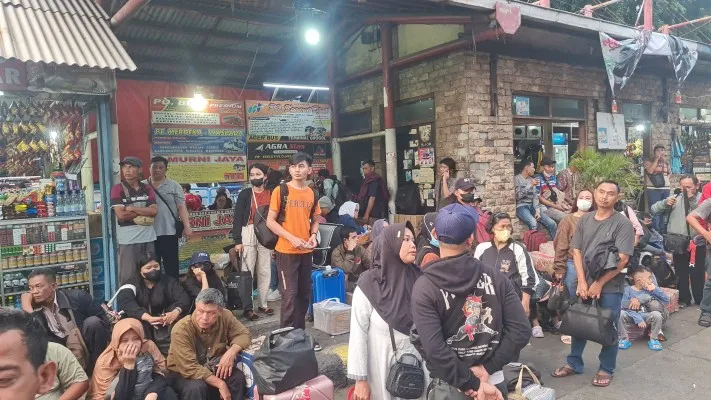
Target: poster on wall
column 611, row 131
column 522, row 105
column 212, row 232
column 276, row 121
column 203, row 143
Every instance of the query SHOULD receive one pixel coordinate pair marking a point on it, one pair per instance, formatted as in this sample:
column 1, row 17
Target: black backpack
column 408, row 200
column 343, row 194
column 264, row 235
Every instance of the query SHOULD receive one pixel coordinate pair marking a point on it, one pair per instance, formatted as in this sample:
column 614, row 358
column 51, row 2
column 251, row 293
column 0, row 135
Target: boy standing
column 296, row 224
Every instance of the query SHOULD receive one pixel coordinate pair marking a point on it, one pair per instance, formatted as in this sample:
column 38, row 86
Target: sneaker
column 317, row 347
column 274, row 295
column 537, row 332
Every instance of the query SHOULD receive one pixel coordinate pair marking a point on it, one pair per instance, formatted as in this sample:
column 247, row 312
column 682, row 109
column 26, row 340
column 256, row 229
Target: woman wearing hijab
column 158, row 301
column 382, row 302
column 347, row 215
column 131, row 368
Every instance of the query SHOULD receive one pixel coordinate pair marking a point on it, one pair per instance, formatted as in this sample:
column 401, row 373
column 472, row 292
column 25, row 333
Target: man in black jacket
column 468, row 315
column 64, row 312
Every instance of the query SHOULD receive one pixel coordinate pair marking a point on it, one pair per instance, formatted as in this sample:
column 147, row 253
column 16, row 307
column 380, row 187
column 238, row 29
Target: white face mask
column 584, row 205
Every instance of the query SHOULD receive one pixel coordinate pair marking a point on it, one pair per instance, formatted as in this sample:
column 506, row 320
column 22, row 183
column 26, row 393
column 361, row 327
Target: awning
column 70, row 32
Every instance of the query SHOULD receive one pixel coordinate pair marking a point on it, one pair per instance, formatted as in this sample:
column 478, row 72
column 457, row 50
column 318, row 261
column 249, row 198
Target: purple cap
column 455, row 224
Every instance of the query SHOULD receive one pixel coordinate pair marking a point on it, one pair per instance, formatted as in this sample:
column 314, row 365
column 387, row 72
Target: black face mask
column 468, row 198
column 154, row 275
column 257, row 182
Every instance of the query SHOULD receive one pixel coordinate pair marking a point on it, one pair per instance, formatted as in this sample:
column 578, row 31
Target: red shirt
column 263, row 199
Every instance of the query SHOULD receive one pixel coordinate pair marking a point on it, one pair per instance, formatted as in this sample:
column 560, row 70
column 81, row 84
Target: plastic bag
column 559, row 297
column 286, row 361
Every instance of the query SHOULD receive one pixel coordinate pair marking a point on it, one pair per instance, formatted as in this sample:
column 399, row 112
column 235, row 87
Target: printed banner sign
column 283, row 165
column 288, row 121
column 212, row 233
column 284, row 150
column 181, row 111
column 201, row 146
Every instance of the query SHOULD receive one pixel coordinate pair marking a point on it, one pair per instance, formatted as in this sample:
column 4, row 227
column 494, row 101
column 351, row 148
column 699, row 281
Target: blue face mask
column 434, row 242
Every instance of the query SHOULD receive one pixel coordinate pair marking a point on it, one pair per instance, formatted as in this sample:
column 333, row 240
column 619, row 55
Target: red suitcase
column 533, row 239
column 319, row 388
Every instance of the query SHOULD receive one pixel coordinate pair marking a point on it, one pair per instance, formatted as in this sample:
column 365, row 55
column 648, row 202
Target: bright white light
column 198, row 102
column 639, row 128
column 53, row 135
column 285, row 86
column 312, row 36
column 2, row 93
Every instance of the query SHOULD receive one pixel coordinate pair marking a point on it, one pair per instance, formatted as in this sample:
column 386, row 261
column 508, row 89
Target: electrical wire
column 250, row 70
column 701, row 33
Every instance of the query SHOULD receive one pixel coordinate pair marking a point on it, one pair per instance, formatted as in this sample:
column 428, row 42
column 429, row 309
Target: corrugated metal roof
column 72, row 32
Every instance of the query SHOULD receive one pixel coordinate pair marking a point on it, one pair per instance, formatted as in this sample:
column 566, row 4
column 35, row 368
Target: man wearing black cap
column 551, row 198
column 467, row 314
column 135, row 206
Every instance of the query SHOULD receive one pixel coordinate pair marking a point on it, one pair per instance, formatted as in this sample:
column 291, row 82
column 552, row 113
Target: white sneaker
column 274, row 295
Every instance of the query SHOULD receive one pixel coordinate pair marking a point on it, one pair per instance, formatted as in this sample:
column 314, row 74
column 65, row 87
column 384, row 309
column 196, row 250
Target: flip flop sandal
column 654, row 345
column 705, row 319
column 624, row 344
column 563, row 372
column 268, row 310
column 566, row 339
column 602, row 380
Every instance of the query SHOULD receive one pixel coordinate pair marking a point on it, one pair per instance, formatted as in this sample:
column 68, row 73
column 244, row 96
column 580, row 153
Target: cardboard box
column 95, row 226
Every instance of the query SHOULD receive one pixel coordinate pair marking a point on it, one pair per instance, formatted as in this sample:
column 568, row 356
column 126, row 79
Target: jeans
column 571, row 278
column 608, row 354
column 527, row 214
column 706, row 302
column 274, row 285
column 659, row 222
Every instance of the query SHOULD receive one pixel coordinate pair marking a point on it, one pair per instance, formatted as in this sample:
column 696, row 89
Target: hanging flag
column 621, row 57
column 682, row 58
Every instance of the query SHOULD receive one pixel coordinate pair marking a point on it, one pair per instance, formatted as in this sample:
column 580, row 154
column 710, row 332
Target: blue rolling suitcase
column 327, row 284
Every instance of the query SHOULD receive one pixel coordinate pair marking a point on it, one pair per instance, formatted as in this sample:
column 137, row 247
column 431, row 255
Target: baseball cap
column 455, row 223
column 326, row 203
column 429, row 221
column 199, row 258
column 548, row 161
column 135, row 161
column 464, row 184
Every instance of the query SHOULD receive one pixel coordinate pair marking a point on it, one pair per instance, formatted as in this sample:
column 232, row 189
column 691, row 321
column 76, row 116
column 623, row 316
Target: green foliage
column 666, row 12
column 595, row 167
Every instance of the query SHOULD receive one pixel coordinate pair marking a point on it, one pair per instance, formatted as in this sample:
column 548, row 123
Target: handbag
column 110, row 306
column 286, row 361
column 139, row 220
column 558, row 298
column 533, row 391
column 589, row 322
column 406, row 379
column 657, row 180
column 179, row 226
column 441, row 390
column 264, row 235
column 674, row 242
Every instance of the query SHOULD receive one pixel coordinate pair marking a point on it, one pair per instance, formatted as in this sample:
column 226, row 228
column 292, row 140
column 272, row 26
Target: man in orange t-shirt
column 297, row 233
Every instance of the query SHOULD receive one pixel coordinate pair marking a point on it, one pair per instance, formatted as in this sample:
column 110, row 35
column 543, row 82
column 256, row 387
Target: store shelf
column 73, row 285
column 41, row 244
column 9, row 271
column 41, row 220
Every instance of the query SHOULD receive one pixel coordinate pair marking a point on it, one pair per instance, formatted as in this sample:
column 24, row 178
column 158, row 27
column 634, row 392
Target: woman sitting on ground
column 131, row 367
column 158, row 301
column 348, row 214
column 201, row 275
column 222, row 201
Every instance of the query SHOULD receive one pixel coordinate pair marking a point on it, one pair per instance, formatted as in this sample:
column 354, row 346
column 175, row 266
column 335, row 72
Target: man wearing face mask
column 427, row 243
column 256, row 258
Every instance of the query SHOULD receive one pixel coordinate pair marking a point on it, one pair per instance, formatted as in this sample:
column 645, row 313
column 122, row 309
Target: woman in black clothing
column 158, row 301
column 222, row 201
column 201, row 275
column 273, row 180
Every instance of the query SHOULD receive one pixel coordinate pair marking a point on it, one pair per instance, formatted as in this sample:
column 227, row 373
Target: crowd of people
column 460, row 294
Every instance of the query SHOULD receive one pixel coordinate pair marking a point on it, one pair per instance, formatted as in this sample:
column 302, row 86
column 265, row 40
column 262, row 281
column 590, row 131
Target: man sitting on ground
column 71, row 382
column 212, row 337
column 69, row 316
column 350, row 257
column 635, row 309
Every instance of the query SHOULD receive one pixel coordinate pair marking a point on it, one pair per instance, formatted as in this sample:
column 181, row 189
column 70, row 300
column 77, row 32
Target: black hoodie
column 467, row 313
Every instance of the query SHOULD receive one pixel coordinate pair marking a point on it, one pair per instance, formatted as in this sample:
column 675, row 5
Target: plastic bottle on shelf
column 75, row 203
column 82, row 203
column 59, row 208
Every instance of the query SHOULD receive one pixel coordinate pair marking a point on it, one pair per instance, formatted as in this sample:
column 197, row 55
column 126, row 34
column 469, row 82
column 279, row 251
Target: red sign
column 508, row 16
column 13, row 75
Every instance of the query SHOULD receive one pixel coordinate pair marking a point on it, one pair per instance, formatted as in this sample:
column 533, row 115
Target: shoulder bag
column 657, row 180
column 406, row 379
column 589, row 322
column 554, row 196
column 674, row 242
column 179, row 226
column 139, row 220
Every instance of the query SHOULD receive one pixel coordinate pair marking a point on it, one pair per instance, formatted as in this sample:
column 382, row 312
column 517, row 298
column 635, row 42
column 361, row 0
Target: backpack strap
column 284, row 193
